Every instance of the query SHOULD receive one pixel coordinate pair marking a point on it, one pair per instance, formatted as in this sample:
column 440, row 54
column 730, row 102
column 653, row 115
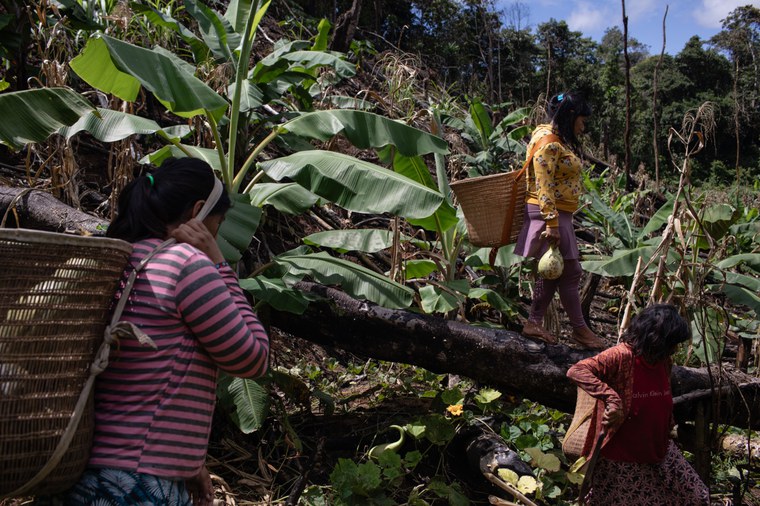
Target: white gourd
column 551, row 263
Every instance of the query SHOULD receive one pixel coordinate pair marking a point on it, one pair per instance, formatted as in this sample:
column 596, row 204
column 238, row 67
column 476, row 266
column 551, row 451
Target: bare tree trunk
column 39, row 210
column 627, row 164
column 345, row 27
column 736, row 120
column 500, row 358
column 654, row 107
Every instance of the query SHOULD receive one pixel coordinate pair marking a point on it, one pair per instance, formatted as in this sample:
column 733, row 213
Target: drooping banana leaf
column 108, row 125
column 208, row 155
column 364, row 240
column 354, row 184
column 34, row 115
column 366, row 130
column 217, row 32
column 117, row 67
column 290, row 198
column 306, row 60
column 356, row 280
column 419, row 268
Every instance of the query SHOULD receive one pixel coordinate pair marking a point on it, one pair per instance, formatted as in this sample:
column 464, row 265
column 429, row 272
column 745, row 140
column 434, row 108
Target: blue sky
column 593, row 17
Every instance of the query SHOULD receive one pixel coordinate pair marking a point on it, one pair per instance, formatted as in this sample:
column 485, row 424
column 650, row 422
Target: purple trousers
column 531, row 244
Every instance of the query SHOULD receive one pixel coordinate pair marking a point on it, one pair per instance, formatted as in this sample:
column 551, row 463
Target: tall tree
column 740, row 38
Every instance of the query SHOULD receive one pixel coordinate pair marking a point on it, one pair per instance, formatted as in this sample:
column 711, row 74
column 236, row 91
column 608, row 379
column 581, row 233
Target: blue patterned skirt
column 115, row 487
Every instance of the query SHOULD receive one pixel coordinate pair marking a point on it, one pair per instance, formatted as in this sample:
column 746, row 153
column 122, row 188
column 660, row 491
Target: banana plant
column 493, row 145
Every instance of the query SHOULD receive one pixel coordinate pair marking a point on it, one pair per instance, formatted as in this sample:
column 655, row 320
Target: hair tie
column 150, row 178
column 560, row 97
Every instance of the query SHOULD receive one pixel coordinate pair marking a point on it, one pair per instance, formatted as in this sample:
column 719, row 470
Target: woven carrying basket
column 55, row 297
column 493, row 207
column 577, row 433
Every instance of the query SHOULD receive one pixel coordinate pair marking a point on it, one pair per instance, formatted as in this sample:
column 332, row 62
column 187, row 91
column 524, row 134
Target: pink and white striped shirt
column 153, row 407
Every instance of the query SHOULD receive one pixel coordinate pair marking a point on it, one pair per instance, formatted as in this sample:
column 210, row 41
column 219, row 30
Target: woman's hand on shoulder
column 195, row 233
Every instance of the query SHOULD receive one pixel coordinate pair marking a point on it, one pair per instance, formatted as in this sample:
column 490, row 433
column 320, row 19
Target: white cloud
column 711, row 12
column 589, row 18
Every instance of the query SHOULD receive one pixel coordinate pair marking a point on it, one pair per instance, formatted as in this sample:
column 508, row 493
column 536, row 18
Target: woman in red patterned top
column 631, row 382
column 154, row 402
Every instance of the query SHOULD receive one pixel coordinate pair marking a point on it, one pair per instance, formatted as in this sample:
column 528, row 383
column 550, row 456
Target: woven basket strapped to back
column 55, row 297
column 493, row 206
column 577, row 433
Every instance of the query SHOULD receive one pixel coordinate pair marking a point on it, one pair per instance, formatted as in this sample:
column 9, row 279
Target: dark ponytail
column 562, row 111
column 154, row 201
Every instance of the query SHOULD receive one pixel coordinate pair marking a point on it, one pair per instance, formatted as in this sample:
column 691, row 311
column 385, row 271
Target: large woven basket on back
column 55, row 297
column 577, row 434
column 493, row 206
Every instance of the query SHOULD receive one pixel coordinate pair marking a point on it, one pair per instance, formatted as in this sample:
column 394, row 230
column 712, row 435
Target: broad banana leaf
column 210, row 156
column 356, row 280
column 712, row 326
column 481, row 122
column 659, row 218
column 237, row 13
column 34, row 115
column 437, row 300
column 717, row 220
column 108, row 125
column 197, row 46
column 618, row 222
column 505, row 257
column 217, row 32
column 238, row 227
column 354, row 184
column 366, row 130
column 290, row 198
column 306, row 60
column 750, row 259
column 117, row 67
column 251, row 96
column 622, row 262
column 419, row 269
column 414, row 168
column 276, row 293
column 741, row 296
column 749, row 282
column 364, row 240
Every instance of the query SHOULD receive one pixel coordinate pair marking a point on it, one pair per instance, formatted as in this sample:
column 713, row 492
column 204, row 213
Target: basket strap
column 100, row 362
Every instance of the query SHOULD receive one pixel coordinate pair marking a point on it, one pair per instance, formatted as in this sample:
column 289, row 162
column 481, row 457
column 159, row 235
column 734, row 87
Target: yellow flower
column 455, row 410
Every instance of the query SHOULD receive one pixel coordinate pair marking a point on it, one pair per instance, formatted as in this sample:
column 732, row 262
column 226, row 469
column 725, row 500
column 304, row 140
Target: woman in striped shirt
column 154, row 403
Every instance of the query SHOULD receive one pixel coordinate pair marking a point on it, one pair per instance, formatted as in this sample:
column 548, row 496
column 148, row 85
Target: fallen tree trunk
column 40, row 210
column 499, row 358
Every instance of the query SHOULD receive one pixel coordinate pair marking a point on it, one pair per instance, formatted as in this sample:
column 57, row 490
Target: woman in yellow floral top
column 554, row 186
